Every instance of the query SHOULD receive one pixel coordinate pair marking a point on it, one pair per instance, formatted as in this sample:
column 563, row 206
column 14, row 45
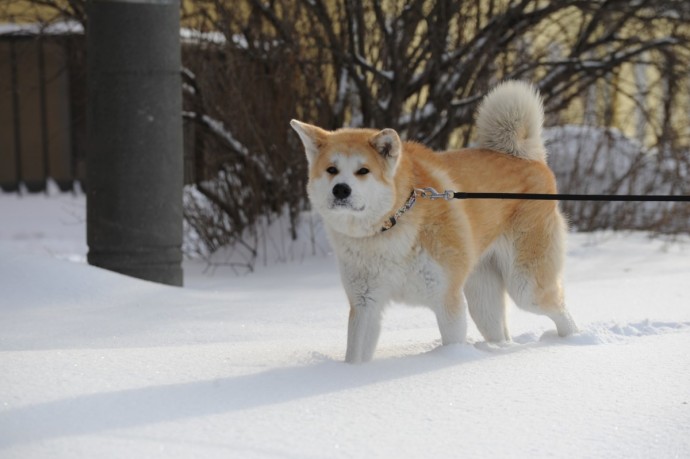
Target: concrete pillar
column 134, row 132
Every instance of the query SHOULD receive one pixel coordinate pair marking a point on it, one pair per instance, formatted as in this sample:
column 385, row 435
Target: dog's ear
column 312, row 137
column 387, row 143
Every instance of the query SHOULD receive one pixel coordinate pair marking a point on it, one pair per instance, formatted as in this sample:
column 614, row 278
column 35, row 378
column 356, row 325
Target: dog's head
column 351, row 175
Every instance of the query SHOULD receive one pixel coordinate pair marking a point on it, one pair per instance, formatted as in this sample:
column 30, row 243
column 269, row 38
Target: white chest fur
column 391, row 266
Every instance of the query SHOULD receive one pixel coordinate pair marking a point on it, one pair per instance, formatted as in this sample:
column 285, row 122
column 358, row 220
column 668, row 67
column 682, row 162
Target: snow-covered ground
column 95, row 364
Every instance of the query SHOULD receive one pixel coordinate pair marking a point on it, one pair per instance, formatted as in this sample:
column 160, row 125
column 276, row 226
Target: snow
column 55, row 28
column 95, row 364
column 595, row 160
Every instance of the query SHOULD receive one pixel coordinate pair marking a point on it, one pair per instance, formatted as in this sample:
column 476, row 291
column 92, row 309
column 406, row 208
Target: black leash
column 432, row 194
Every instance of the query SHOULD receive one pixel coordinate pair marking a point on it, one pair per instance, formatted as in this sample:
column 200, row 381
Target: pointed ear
column 313, row 138
column 387, row 143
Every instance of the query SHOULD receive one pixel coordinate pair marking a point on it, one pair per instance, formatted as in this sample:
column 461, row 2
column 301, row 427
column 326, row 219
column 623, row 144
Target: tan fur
column 487, row 247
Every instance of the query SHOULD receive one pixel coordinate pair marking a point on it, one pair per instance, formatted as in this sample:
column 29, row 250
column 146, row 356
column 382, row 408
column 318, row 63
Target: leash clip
column 430, row 193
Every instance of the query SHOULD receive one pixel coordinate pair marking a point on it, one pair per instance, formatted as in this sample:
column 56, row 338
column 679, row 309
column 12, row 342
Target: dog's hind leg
column 542, row 296
column 486, row 296
column 534, row 279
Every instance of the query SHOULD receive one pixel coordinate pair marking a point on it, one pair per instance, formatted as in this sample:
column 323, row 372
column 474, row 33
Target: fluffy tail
column 509, row 119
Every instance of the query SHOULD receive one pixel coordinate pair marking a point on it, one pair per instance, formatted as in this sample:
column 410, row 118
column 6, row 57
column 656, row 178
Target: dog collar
column 390, row 223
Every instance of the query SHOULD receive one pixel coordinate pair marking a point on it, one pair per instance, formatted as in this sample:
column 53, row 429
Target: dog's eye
column 332, row 170
column 363, row 171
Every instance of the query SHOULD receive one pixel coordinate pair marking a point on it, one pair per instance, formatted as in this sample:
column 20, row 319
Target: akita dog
column 394, row 246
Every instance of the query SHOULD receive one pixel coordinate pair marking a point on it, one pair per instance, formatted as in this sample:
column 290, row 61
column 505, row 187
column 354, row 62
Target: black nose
column 341, row 191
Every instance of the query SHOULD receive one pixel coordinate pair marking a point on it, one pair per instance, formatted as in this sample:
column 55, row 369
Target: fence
column 43, row 113
column 41, row 106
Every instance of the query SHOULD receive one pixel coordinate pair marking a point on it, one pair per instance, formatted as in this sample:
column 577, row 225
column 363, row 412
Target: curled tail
column 509, row 120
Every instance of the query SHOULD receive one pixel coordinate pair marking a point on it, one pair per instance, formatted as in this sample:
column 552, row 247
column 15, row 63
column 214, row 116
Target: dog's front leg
column 364, row 328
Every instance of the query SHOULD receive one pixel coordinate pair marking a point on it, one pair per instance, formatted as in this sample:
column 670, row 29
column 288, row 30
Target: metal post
column 134, row 133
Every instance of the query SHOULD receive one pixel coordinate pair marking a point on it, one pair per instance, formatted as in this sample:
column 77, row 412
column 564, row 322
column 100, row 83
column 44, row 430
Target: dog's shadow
column 89, row 414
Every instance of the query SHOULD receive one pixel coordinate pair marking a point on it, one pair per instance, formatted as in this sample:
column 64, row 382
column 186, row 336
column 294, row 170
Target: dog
column 451, row 256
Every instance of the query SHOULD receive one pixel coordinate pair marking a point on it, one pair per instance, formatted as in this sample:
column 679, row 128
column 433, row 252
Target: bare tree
column 421, row 67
